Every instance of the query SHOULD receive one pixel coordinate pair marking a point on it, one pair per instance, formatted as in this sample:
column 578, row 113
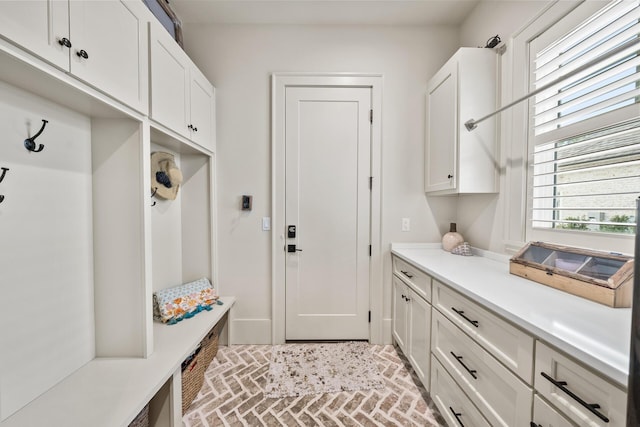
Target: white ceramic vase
column 451, row 239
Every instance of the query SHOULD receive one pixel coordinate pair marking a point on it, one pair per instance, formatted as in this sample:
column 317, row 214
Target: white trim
column 279, row 81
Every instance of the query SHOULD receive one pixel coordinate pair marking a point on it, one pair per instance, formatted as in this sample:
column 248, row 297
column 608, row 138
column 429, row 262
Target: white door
column 327, row 144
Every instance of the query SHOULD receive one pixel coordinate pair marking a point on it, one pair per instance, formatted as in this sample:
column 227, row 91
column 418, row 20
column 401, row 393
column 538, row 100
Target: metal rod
column 471, row 124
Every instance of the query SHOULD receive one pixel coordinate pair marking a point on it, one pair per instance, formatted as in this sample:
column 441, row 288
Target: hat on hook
column 165, row 175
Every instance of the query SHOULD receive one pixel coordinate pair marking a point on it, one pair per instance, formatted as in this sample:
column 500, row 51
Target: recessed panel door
column 327, row 143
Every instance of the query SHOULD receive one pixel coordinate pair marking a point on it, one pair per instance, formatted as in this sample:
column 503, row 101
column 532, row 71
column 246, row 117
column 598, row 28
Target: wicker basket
column 142, row 419
column 192, row 378
column 210, row 347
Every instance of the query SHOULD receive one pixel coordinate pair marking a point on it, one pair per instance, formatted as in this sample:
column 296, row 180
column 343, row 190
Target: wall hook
column 4, row 172
column 30, row 143
column 153, row 193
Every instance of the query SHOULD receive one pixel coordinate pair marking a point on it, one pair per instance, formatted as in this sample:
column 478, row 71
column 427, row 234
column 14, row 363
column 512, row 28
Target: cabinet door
column 442, row 134
column 37, row 26
column 169, row 82
column 400, row 313
column 419, row 336
column 113, row 37
column 201, row 110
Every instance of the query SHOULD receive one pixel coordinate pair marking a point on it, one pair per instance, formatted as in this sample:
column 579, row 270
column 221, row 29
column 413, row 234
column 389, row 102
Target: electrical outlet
column 406, row 224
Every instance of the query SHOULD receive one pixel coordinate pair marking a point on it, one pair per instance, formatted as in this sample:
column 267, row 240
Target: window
column 585, row 123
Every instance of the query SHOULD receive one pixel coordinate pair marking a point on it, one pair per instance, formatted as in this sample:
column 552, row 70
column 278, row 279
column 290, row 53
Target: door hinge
column 370, row 183
column 369, row 250
column 369, row 316
column 371, row 116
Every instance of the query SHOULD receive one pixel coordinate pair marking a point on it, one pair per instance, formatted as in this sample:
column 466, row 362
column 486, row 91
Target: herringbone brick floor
column 232, row 395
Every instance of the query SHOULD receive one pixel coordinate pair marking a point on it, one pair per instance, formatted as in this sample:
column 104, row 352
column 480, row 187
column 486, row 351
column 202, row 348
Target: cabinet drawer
column 510, row 345
column 571, row 388
column 503, row 398
column 546, row 416
column 420, row 281
column 455, row 407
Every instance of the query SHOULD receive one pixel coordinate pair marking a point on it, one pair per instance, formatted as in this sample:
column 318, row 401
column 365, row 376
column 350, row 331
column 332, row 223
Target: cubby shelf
column 86, row 247
column 111, row 391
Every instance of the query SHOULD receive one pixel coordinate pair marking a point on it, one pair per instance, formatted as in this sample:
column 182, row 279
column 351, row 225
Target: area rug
column 303, row 369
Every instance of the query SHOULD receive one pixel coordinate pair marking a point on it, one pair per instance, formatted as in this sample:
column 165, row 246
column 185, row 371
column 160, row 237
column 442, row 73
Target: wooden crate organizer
column 602, row 277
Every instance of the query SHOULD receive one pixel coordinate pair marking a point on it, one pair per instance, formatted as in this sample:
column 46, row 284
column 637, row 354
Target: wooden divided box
column 603, row 277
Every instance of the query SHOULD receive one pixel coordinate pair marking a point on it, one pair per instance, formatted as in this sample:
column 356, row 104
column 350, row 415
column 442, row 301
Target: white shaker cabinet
column 412, row 324
column 456, row 160
column 182, row 98
column 103, row 43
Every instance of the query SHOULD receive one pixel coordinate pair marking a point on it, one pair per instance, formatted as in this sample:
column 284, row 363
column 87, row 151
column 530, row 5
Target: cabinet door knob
column 64, row 42
column 449, row 176
column 195, row 129
column 82, row 54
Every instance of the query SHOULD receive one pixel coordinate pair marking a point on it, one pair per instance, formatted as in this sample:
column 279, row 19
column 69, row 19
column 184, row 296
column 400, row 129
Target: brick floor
column 232, row 395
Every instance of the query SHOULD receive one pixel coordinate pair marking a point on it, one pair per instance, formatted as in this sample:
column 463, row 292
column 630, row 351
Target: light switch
column 406, row 224
column 266, row 223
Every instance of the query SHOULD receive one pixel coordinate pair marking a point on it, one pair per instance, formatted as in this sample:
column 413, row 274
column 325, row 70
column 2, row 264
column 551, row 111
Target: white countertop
column 110, row 392
column 596, row 335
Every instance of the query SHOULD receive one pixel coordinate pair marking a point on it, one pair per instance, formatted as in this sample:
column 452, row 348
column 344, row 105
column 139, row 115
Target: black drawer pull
column 406, row 273
column 532, row 424
column 471, row 371
column 461, row 314
column 82, row 54
column 64, row 42
column 457, row 415
column 591, row 407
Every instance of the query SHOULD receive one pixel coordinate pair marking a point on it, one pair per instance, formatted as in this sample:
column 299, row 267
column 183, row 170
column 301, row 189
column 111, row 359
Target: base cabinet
column 412, row 328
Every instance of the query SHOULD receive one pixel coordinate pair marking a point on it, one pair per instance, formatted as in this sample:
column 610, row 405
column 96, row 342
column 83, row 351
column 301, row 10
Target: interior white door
column 327, row 144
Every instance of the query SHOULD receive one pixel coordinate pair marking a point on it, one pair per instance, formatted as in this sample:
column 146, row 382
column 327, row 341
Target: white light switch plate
column 266, row 223
column 406, row 224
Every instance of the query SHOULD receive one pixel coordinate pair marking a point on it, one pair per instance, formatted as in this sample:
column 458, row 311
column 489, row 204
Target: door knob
column 64, row 42
column 292, row 248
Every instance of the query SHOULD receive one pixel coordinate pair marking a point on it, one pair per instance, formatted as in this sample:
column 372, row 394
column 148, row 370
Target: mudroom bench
column 495, row 349
column 110, row 392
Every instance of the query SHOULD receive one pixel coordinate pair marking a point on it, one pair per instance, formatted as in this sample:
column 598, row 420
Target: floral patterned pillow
column 171, row 305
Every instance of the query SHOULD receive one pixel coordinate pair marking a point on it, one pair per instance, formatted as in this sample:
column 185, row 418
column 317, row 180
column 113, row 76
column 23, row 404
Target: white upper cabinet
column 103, row 43
column 182, row 98
column 456, row 160
column 40, row 26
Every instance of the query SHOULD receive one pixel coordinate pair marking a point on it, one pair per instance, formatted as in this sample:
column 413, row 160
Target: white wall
column 483, row 219
column 239, row 60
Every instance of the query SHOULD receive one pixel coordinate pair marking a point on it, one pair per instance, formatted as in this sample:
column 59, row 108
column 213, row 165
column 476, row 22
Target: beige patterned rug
column 304, row 369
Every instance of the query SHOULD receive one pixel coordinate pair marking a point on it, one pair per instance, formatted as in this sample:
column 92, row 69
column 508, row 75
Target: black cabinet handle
column 82, row 54
column 591, row 407
column 457, row 415
column 471, row 371
column 449, row 176
column 195, row 129
column 532, row 424
column 461, row 314
column 406, row 273
column 64, row 42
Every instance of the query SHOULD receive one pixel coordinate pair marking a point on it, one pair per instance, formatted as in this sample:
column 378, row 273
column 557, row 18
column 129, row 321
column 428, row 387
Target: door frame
column 279, row 83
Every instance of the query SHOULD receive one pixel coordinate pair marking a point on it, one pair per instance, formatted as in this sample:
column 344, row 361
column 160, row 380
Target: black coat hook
column 30, row 143
column 4, row 172
column 153, row 193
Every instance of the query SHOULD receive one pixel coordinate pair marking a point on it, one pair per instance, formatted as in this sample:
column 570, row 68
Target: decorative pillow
column 171, row 305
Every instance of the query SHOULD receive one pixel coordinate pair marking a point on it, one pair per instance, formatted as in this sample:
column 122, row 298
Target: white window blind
column 608, row 91
column 585, row 133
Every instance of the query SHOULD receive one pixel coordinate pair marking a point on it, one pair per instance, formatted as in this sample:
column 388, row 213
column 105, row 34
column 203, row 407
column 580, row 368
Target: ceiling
column 327, row 12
